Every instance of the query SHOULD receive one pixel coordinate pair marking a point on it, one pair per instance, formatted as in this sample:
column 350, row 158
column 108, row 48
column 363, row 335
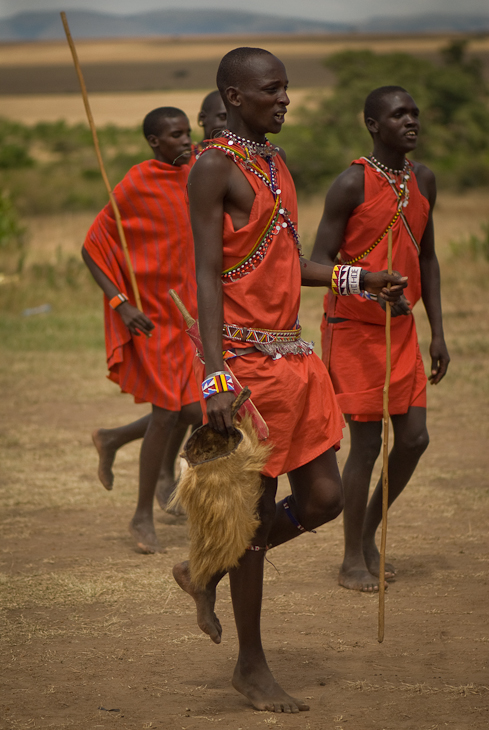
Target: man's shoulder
column 423, row 172
column 212, row 162
column 350, row 180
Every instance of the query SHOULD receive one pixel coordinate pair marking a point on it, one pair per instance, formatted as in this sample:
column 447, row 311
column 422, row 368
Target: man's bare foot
column 143, row 532
column 106, row 455
column 358, row 579
column 205, row 600
column 258, row 685
column 372, row 559
column 164, row 489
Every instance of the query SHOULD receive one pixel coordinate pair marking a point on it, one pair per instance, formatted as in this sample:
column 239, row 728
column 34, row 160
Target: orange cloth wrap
column 293, row 393
column 151, row 200
column 354, row 350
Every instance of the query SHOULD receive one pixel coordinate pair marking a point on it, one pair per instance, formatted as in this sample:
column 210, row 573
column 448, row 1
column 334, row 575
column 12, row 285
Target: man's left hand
column 439, row 360
column 402, row 306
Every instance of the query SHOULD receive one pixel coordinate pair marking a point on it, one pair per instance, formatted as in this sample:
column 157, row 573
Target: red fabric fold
column 151, row 201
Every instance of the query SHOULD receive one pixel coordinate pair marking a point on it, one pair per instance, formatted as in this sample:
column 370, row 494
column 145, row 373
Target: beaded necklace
column 267, row 151
column 387, row 172
column 389, row 169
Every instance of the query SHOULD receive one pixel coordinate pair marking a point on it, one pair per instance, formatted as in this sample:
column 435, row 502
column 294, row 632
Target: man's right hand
column 135, row 321
column 219, row 414
column 376, row 282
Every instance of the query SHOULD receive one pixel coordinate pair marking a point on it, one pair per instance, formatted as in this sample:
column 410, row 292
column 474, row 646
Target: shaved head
column 234, row 66
column 155, row 121
column 211, row 102
column 375, row 100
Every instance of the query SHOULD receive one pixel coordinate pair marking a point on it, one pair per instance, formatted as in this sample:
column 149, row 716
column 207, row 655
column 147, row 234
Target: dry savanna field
column 96, row 635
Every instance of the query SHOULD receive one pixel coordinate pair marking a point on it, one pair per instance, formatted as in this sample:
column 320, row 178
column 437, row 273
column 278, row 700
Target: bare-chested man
column 249, row 272
column 377, row 193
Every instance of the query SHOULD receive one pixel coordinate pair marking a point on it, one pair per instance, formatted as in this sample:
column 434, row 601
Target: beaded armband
column 118, row 300
column 220, row 382
column 346, row 280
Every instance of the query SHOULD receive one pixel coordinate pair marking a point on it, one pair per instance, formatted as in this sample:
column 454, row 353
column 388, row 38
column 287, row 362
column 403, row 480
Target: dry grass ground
column 94, row 635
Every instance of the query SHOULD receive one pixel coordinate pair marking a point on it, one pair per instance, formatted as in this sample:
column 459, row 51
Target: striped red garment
column 151, row 200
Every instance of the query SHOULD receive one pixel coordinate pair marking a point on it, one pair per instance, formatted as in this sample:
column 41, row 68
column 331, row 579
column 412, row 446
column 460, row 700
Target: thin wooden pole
column 91, row 123
column 385, row 450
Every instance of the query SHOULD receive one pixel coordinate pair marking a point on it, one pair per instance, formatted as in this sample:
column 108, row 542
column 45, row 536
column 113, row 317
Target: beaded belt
column 275, row 343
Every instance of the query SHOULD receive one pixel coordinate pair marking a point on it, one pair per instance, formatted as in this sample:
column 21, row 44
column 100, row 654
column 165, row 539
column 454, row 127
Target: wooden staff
column 117, row 214
column 385, row 449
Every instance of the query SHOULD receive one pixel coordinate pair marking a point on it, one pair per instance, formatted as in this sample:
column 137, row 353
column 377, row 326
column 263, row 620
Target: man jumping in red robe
column 149, row 354
column 374, row 195
column 249, row 272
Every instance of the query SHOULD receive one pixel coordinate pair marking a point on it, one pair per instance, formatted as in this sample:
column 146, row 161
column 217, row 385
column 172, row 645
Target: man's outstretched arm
column 345, row 194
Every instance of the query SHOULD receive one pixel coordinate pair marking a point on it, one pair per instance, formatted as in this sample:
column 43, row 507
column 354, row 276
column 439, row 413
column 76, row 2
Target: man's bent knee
column 323, row 508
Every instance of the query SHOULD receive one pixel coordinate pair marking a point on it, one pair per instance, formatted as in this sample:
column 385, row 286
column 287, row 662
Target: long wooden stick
column 115, row 208
column 385, row 450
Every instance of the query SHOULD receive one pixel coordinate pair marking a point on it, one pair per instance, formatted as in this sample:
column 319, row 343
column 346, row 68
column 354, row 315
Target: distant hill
column 46, row 25
column 428, row 23
column 36, row 26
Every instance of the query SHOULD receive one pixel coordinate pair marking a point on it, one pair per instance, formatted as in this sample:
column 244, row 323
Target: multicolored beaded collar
column 242, row 154
column 265, row 149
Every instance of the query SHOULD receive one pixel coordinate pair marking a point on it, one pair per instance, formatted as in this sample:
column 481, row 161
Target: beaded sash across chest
column 244, row 153
column 274, row 343
column 402, row 195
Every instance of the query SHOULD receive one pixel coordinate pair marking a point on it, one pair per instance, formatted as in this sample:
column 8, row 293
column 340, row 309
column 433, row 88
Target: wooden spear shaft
column 385, row 450
column 115, row 208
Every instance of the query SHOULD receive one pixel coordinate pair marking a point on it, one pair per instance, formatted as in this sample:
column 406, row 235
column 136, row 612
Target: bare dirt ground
column 95, row 635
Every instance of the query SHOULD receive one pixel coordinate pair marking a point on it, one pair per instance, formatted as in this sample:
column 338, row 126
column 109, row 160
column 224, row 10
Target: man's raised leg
column 317, row 498
column 108, row 441
column 410, row 442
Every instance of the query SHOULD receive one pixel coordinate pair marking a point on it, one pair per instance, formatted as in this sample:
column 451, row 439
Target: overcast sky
column 328, row 10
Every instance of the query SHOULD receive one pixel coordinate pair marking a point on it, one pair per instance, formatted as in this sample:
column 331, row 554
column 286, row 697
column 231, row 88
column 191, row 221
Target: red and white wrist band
column 118, row 300
column 219, row 382
column 346, row 280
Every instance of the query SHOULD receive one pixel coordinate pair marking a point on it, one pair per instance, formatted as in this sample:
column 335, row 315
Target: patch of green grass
column 56, row 330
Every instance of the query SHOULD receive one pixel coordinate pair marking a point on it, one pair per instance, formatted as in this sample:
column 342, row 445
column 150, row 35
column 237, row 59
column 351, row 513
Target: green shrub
column 12, row 237
column 452, row 97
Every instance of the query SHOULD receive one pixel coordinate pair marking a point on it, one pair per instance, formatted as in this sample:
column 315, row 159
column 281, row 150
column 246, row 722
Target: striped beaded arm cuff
column 219, row 382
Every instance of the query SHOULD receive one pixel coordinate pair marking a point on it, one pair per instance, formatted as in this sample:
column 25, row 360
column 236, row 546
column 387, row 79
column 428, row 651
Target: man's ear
column 153, row 141
column 201, row 119
column 372, row 125
column 233, row 95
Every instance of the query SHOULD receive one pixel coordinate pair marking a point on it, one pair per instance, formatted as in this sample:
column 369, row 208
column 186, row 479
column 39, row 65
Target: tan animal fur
column 220, row 498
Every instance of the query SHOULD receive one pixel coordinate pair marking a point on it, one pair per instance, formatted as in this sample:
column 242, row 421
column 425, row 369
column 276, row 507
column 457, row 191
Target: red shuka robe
column 153, row 208
column 294, row 393
column 354, row 350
